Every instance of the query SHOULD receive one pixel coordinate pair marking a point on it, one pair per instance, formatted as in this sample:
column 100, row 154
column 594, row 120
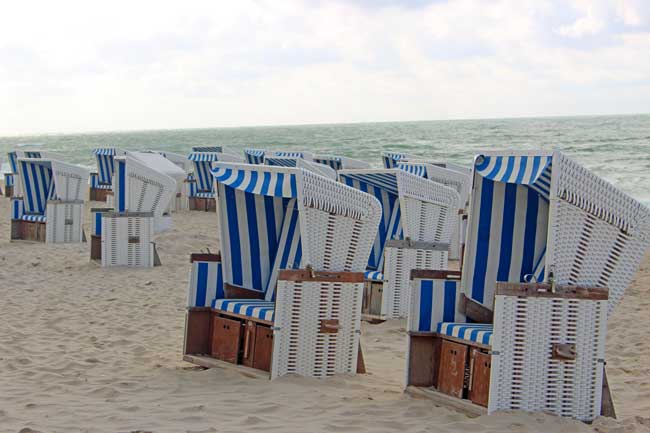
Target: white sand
column 89, row 349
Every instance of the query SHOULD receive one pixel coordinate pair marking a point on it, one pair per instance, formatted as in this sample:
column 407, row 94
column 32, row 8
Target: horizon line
column 137, row 130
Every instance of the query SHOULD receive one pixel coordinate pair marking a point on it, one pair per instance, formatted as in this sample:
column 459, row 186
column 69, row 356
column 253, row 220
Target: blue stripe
column 220, row 293
column 252, row 183
column 201, row 283
column 426, row 300
column 507, row 231
column 98, row 224
column 536, row 161
column 121, row 176
column 253, row 238
column 528, row 255
column 233, row 231
column 296, row 260
column 509, row 167
column 272, row 236
column 290, row 235
column 495, row 169
column 238, row 180
column 522, row 170
column 265, row 183
column 294, row 186
column 449, row 311
column 37, row 188
column 483, row 240
column 28, row 187
column 278, row 185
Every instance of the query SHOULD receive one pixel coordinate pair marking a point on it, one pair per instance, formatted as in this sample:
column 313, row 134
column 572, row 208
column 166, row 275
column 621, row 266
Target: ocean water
column 615, row 147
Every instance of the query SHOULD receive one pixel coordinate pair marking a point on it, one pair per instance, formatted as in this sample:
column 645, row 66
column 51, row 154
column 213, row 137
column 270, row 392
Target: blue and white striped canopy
column 217, row 149
column 13, row 161
column 203, row 156
column 416, row 169
column 383, row 186
column 281, row 161
column 289, row 154
column 38, row 185
column 105, row 164
column 254, row 156
column 331, row 161
column 105, row 151
column 390, row 159
column 259, row 224
column 508, row 224
column 262, row 182
column 531, row 170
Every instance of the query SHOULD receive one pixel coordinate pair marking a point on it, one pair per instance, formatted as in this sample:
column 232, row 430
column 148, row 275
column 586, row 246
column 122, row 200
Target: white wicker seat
column 535, row 218
column 293, row 246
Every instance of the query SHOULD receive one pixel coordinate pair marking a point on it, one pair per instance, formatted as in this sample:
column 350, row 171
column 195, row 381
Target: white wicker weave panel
column 298, row 346
column 397, row 272
column 410, row 185
column 595, row 195
column 116, row 248
column 334, row 197
column 523, row 375
column 585, row 250
column 56, row 229
column 337, row 243
column 426, row 221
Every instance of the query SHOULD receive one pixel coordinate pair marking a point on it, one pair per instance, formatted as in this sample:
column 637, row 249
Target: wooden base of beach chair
column 97, row 194
column 229, row 337
column 453, row 367
column 27, row 231
column 371, row 304
column 203, row 204
column 9, row 191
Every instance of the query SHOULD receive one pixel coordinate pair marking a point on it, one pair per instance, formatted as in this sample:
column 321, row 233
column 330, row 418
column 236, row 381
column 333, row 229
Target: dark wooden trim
column 475, row 311
column 236, row 292
column 204, row 257
column 434, row 274
column 538, row 290
column 361, row 363
column 307, row 275
column 450, row 338
column 418, row 245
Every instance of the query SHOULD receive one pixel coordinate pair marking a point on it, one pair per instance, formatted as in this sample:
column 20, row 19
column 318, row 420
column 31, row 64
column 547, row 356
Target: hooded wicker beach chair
column 418, row 216
column 50, row 207
column 199, row 185
column 123, row 235
column 340, row 162
column 550, row 250
column 454, row 179
column 101, row 181
column 180, row 160
column 278, row 158
column 284, row 295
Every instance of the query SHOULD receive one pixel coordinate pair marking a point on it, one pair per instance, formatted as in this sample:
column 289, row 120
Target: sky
column 71, row 66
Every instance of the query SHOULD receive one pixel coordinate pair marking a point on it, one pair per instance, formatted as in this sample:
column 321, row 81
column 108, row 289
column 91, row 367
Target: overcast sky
column 117, row 65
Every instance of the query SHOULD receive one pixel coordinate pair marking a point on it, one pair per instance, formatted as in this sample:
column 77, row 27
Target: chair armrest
column 206, row 280
column 237, row 292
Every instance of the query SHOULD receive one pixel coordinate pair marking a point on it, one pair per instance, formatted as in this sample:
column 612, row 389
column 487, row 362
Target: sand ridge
column 86, row 349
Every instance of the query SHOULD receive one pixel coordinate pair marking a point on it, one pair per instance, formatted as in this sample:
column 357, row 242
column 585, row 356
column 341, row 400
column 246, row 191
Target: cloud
column 73, row 65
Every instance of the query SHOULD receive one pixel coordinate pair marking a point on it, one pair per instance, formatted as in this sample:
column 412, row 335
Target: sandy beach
column 86, row 349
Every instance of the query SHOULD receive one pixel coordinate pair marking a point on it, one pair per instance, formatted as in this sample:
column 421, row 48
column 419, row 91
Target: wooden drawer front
column 263, row 348
column 226, row 339
column 258, row 346
column 453, row 362
column 376, row 293
column 479, row 390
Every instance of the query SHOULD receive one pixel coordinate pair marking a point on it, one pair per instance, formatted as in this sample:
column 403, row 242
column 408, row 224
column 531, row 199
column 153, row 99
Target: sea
column 614, row 147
